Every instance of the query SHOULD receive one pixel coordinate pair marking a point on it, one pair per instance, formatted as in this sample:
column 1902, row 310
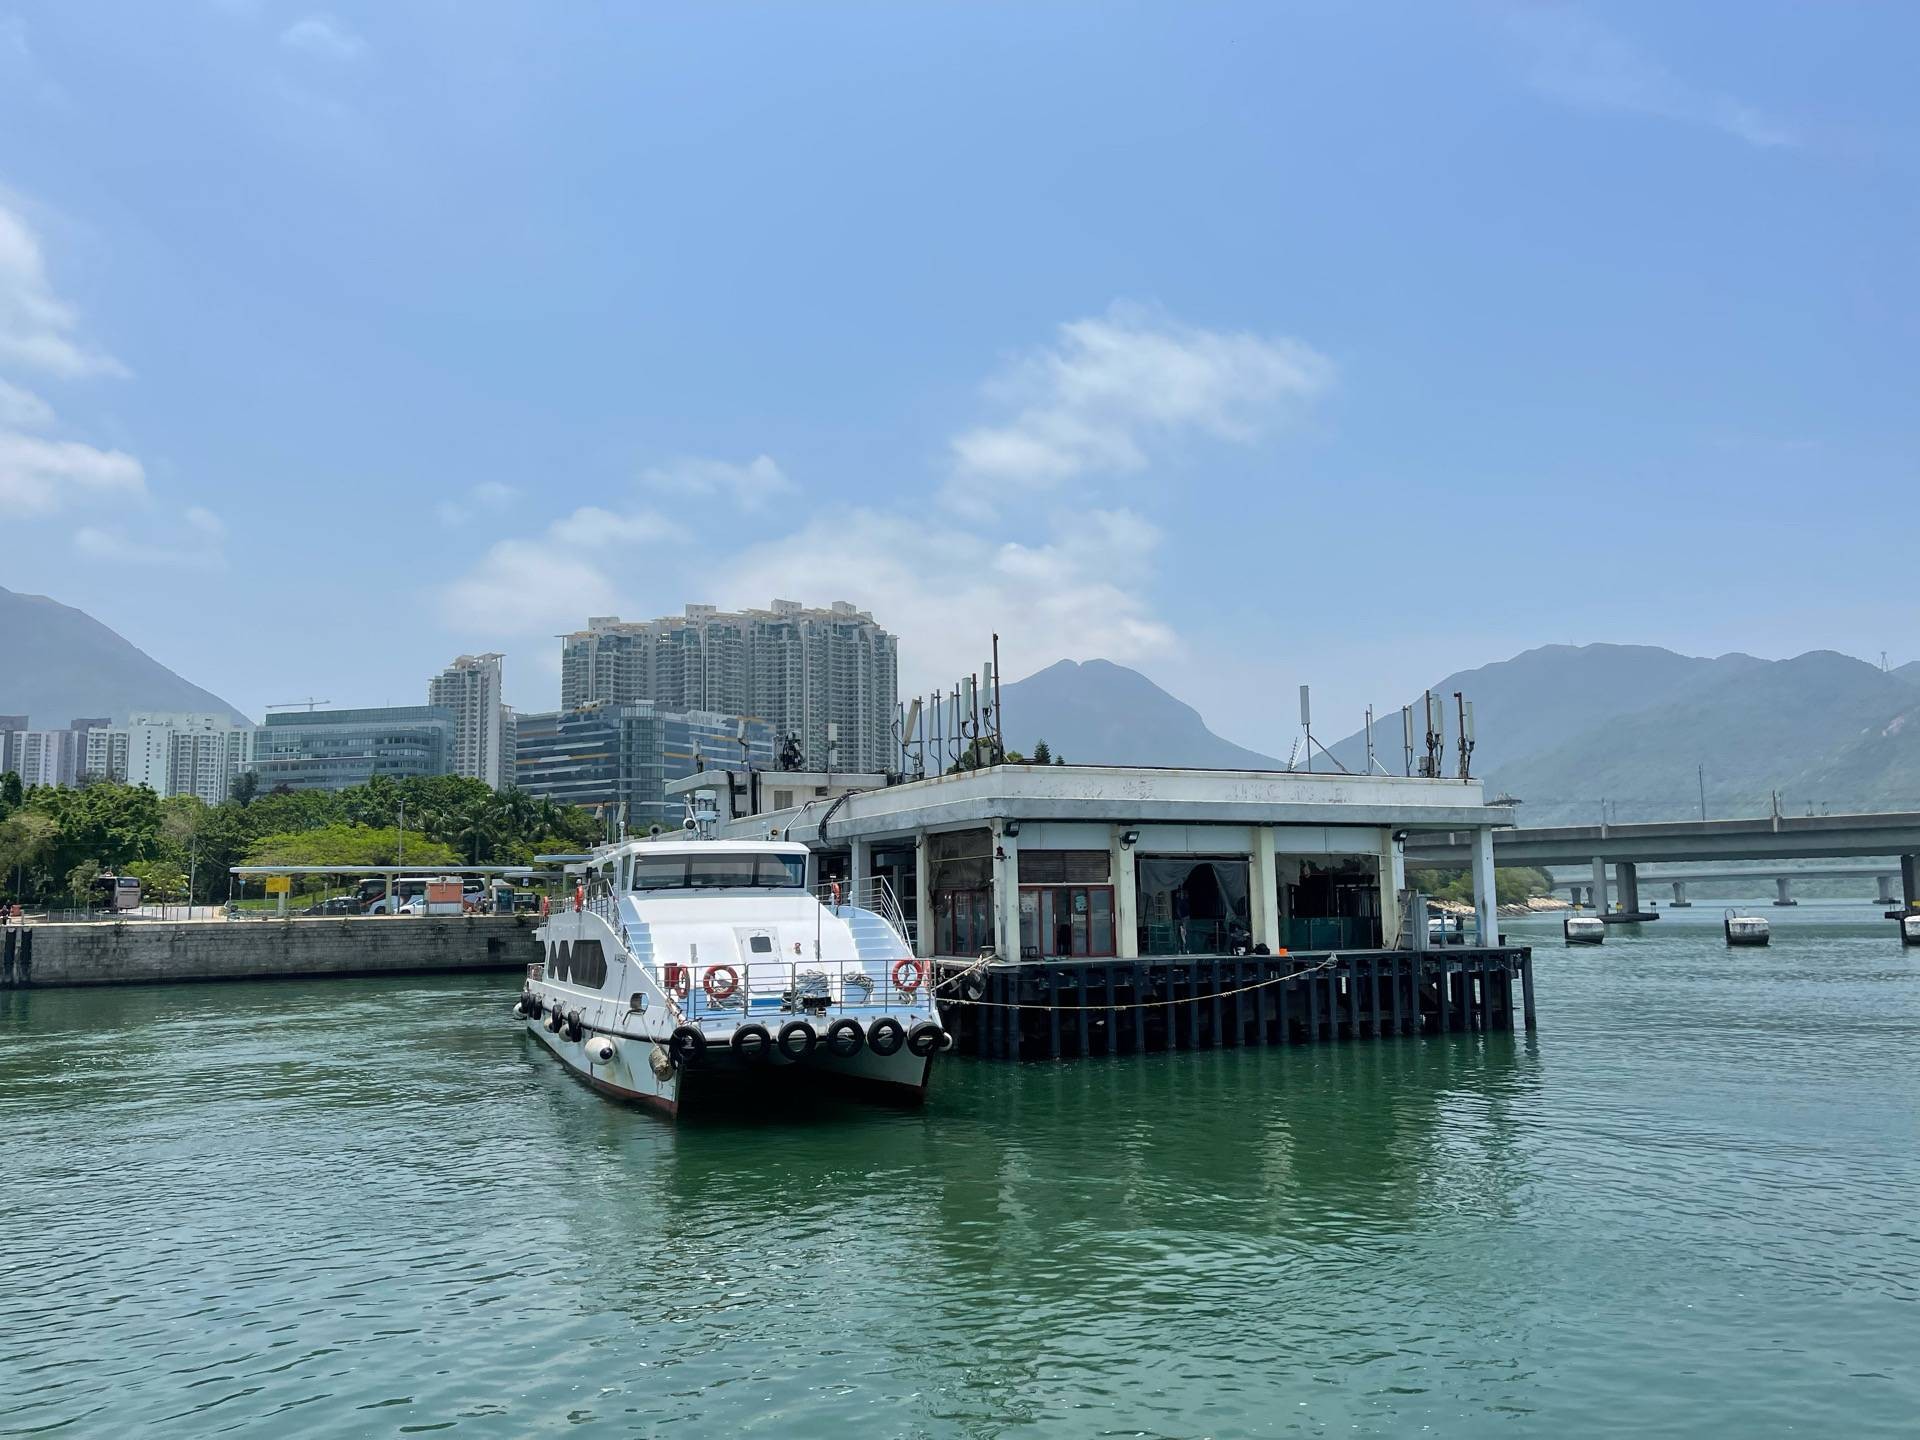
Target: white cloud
column 488, row 498
column 749, row 486
column 1579, row 61
column 23, row 408
column 553, row 583
column 39, row 476
column 36, row 327
column 189, row 550
column 1111, row 387
column 324, row 37
column 945, row 590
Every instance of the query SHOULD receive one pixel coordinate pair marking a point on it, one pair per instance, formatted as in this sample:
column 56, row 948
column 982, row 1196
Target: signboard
column 443, row 892
column 279, row 884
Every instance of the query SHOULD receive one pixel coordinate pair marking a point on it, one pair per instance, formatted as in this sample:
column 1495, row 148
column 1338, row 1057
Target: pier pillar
column 1886, row 889
column 859, row 865
column 1126, row 894
column 1006, row 893
column 1910, row 881
column 1680, row 901
column 1785, row 887
column 1597, row 896
column 1626, row 879
column 1393, row 879
column 1484, row 903
column 923, row 927
column 1265, row 881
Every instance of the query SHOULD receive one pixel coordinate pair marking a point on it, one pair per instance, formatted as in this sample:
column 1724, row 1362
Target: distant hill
column 1094, row 712
column 1775, row 725
column 1565, row 728
column 1541, row 698
column 58, row 664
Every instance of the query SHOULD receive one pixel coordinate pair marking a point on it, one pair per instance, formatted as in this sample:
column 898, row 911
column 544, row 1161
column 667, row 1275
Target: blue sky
column 1251, row 345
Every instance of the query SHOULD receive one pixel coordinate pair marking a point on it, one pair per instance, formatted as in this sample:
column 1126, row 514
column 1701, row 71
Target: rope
column 1326, row 964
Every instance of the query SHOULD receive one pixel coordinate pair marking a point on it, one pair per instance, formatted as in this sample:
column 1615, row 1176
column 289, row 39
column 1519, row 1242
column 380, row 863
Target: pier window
column 1193, row 905
column 1332, row 905
column 1066, row 904
column 960, row 875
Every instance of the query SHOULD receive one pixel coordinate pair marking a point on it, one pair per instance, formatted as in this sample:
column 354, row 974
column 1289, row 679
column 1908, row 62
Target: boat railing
column 782, row 990
column 873, row 894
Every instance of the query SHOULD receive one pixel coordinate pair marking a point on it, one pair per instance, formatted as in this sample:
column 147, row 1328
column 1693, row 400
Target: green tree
column 1042, row 753
column 11, row 795
column 348, row 845
column 80, row 882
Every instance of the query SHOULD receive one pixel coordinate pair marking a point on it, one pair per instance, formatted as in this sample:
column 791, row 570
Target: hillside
column 1094, row 712
column 1763, row 726
column 59, row 664
column 1541, row 698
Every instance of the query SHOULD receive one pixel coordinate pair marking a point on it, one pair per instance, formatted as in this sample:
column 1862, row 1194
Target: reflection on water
column 1686, row 1204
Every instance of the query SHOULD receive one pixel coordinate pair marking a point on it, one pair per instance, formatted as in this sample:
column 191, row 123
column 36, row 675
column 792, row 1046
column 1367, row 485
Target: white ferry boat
column 691, row 971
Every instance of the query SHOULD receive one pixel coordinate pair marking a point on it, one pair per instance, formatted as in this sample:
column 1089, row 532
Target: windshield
column 719, row 872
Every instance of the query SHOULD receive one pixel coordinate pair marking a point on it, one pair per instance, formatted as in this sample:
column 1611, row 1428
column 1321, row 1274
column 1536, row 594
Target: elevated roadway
column 1626, row 847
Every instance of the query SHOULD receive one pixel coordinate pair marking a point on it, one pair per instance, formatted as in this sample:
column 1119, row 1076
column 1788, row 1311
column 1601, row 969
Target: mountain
column 1541, row 698
column 58, row 664
column 1780, row 725
column 1094, row 712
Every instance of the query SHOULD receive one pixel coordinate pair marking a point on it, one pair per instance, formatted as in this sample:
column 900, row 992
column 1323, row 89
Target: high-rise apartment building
column 469, row 688
column 170, row 753
column 797, row 668
column 43, row 757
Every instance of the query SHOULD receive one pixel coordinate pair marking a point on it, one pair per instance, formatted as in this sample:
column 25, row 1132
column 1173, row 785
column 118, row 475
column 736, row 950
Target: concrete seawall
column 147, row 952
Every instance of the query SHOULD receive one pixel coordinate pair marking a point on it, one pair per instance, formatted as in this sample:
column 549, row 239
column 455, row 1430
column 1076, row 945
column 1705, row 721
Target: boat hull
column 719, row 1080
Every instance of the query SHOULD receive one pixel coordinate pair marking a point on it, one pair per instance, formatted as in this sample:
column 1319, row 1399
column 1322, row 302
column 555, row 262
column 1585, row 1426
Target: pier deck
column 1049, row 1010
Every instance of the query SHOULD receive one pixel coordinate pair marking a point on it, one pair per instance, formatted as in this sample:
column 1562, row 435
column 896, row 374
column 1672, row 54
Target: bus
column 117, row 892
column 450, row 895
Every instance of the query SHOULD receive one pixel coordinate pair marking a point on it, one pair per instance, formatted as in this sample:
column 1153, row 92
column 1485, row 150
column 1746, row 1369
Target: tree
column 80, row 882
column 25, row 839
column 1042, row 753
column 245, row 786
column 346, row 845
column 11, row 795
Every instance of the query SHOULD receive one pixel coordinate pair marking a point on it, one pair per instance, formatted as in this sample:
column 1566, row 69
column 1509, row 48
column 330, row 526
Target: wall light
column 1010, row 827
column 1129, row 838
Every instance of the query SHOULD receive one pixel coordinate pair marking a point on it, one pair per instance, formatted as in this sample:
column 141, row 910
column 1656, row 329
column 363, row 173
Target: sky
column 1249, row 345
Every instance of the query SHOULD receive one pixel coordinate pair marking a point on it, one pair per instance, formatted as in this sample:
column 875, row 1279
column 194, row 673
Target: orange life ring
column 913, row 969
column 722, row 988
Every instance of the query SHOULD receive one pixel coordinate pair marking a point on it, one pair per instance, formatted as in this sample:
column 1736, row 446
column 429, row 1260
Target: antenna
column 1306, row 724
column 1406, row 727
column 1466, row 735
column 1370, row 760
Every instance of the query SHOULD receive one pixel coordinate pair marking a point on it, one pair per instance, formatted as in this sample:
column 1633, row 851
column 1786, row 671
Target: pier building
column 1036, row 862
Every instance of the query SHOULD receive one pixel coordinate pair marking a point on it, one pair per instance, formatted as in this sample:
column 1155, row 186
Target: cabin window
column 721, row 871
column 760, row 944
column 588, row 964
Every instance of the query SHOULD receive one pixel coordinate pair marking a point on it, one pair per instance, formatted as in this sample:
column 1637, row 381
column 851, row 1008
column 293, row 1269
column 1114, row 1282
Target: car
column 335, row 905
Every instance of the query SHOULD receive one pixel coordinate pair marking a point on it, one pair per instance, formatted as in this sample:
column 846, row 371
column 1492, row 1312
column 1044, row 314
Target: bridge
column 1581, row 886
column 1627, row 847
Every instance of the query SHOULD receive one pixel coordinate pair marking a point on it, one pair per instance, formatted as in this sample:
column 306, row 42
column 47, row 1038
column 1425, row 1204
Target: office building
column 469, row 689
column 800, row 670
column 605, row 756
column 338, row 749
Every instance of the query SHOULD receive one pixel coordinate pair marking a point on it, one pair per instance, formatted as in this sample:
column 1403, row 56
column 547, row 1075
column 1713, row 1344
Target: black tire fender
column 797, row 1039
column 844, row 1040
column 753, row 1044
column 885, row 1036
column 924, row 1040
column 687, row 1045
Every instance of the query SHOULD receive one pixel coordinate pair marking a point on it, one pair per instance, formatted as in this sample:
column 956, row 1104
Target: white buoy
column 601, row 1050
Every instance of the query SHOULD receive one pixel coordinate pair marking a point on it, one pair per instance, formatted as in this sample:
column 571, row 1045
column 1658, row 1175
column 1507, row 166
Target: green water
column 1687, row 1205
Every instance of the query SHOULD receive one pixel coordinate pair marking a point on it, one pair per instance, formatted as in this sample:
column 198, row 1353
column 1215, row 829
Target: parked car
column 335, row 905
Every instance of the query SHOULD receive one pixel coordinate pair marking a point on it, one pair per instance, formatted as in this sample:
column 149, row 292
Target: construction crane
column 308, row 704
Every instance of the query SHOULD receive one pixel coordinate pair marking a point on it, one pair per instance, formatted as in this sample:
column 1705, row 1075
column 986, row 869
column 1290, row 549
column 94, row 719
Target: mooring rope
column 984, row 1004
